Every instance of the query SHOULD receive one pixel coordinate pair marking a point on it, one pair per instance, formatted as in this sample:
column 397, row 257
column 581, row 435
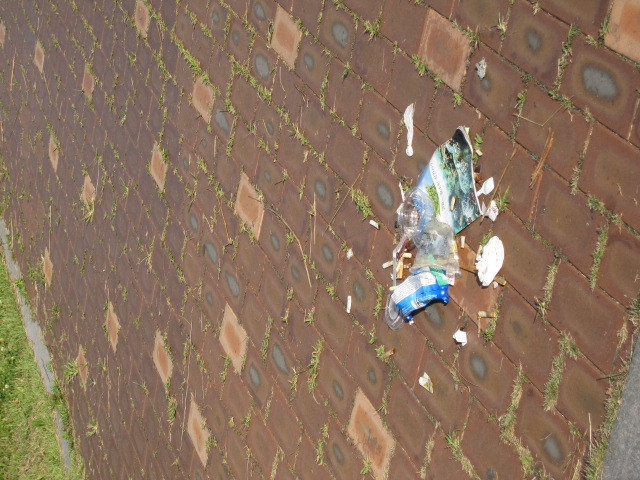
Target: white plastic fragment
column 481, row 68
column 492, row 211
column 387, row 264
column 490, row 261
column 460, row 337
column 401, row 191
column 487, row 187
column 495, row 285
column 374, row 224
column 408, row 121
column 425, row 381
column 349, row 304
column 462, row 239
column 349, row 253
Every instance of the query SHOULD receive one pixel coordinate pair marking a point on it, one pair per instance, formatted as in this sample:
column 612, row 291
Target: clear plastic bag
column 415, row 213
column 436, row 248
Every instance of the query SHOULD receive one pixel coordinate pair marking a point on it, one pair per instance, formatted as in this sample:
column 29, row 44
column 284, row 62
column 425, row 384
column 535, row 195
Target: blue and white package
column 418, row 291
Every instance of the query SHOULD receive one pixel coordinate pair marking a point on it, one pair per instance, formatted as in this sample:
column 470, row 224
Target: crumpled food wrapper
column 490, row 261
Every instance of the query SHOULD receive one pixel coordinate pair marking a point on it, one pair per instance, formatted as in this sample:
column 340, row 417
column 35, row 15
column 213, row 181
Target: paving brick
column 112, row 326
column 286, row 36
column 233, row 338
column 566, row 222
column 379, row 125
column 343, row 459
column 262, row 446
column 345, row 154
column 283, row 424
column 437, row 323
column 373, row 59
column 602, row 83
column 570, row 131
column 608, row 176
column 497, row 92
column 525, row 339
column 381, row 189
column 483, row 365
column 407, row 86
column 336, row 385
column 343, row 92
column 526, row 259
column 88, row 83
column 311, row 64
column 403, row 22
column 409, row 421
column 238, row 41
column 314, row 122
column 141, row 17
column 263, row 64
column 587, row 15
column 449, row 401
column 445, row 119
column 337, row 31
column 591, row 317
column 581, row 395
column 247, row 207
column 619, row 272
column 534, row 42
column 482, row 444
column 482, row 17
column 308, row 14
column 442, row 464
column 325, row 250
column 448, row 62
column 38, row 57
column 370, row 373
column 621, row 35
column 545, row 433
column 256, row 378
column 283, row 364
column 370, row 436
column 47, row 267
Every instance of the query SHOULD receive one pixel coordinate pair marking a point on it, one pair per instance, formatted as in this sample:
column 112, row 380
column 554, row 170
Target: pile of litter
column 443, row 203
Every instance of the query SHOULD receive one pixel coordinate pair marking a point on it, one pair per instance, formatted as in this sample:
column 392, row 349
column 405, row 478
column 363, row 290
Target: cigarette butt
column 462, row 239
column 349, row 304
column 453, row 203
column 387, row 264
column 407, row 255
column 392, row 288
column 374, row 224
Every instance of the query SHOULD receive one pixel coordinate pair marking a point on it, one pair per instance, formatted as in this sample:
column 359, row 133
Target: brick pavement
column 189, row 179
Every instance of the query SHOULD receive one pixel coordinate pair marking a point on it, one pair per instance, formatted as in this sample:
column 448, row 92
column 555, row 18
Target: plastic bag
column 437, row 248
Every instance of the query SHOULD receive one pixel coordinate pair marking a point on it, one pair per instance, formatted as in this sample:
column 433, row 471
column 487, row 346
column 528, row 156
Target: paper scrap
column 460, row 337
column 492, row 211
column 408, row 121
column 481, row 68
column 349, row 304
column 490, row 261
column 425, row 381
column 462, row 240
column 374, row 224
column 349, row 253
column 487, row 187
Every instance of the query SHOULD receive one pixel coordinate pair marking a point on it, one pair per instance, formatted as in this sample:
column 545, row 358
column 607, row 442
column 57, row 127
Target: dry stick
column 279, row 217
column 495, row 190
column 536, row 177
column 545, row 122
column 11, row 78
column 543, row 158
column 343, row 200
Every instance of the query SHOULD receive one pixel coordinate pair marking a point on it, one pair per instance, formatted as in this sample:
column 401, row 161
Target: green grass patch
column 28, row 441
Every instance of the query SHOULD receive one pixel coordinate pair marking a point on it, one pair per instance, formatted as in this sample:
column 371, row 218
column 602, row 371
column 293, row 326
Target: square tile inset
column 233, row 338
